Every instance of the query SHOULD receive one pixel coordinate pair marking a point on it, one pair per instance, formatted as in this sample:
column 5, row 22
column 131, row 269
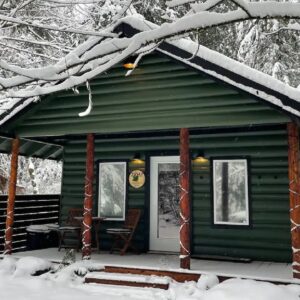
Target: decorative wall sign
column 137, row 178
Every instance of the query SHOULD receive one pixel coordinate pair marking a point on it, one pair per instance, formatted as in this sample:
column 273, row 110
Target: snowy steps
column 155, row 278
column 138, row 277
column 128, row 280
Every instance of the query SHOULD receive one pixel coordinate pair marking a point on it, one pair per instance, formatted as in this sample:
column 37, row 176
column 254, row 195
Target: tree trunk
column 185, row 213
column 11, row 196
column 88, row 199
column 293, row 157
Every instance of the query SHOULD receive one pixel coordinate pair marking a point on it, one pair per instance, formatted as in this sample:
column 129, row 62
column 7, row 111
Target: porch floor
column 256, row 269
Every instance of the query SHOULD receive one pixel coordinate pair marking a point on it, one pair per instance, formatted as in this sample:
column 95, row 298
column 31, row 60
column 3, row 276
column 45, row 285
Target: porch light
column 200, row 158
column 129, row 65
column 137, row 159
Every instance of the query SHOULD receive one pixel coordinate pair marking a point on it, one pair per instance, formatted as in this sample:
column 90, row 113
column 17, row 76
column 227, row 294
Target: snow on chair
column 122, row 237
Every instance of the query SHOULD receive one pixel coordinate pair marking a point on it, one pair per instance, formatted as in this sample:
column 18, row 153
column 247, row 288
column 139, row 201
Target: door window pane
column 168, row 200
column 230, row 187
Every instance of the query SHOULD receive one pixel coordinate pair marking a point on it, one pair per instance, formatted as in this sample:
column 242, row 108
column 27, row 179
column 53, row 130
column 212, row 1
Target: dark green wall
column 160, row 94
column 268, row 239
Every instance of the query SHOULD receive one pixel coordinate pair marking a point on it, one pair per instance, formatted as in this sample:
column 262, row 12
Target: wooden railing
column 29, row 210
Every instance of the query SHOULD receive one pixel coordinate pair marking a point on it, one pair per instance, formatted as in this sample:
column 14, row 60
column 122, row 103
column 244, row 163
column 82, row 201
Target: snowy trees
column 75, row 20
column 35, row 176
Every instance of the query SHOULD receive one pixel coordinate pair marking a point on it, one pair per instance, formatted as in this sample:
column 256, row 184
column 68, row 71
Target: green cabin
column 238, row 146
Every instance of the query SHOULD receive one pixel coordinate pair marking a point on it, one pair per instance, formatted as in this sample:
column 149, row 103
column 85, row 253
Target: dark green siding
column 269, row 237
column 160, row 94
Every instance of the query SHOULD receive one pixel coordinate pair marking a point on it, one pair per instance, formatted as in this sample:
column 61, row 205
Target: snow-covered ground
column 17, row 282
column 256, row 269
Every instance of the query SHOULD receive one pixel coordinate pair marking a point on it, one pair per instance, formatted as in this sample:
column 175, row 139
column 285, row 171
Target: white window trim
column 125, row 190
column 247, row 223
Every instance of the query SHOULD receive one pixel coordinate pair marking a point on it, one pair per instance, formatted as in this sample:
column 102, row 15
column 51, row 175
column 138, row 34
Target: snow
column 98, row 55
column 259, row 270
column 130, row 277
column 229, row 64
column 38, row 228
column 67, row 284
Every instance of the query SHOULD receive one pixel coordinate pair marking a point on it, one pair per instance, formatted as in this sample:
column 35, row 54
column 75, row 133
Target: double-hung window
column 230, row 191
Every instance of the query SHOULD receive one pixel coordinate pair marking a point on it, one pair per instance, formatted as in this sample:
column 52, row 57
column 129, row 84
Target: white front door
column 164, row 203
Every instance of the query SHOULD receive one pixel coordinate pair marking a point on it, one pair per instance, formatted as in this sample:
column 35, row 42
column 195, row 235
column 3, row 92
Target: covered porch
column 267, row 238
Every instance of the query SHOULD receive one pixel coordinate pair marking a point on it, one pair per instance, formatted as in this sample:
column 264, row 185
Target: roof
column 212, row 63
column 33, row 148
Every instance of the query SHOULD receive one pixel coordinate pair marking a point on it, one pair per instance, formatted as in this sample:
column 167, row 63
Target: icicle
column 89, row 109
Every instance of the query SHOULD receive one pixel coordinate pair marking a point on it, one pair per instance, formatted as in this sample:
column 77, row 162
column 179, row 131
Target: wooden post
column 185, row 210
column 293, row 158
column 11, row 196
column 88, row 199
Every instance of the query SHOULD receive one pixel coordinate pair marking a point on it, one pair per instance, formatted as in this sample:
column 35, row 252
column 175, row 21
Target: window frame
column 223, row 224
column 115, row 161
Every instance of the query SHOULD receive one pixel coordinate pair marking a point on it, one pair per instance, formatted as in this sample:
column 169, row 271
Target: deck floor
column 256, row 269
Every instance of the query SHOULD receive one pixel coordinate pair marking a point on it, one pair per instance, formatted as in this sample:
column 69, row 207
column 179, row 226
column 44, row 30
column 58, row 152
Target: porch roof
column 32, row 148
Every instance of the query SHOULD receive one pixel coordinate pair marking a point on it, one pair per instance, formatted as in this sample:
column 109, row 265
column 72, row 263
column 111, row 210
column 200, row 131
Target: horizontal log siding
column 160, row 94
column 268, row 239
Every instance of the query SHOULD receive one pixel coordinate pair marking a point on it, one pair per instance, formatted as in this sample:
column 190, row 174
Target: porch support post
column 11, row 196
column 293, row 158
column 185, row 210
column 88, row 199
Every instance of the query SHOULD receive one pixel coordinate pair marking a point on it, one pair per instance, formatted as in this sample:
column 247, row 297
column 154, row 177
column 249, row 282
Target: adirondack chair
column 70, row 234
column 122, row 237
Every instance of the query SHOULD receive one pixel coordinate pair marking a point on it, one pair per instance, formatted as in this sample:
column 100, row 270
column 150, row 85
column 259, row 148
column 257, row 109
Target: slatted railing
column 29, row 210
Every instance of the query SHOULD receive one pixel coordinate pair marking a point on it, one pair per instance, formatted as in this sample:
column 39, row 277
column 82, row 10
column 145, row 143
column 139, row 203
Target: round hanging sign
column 137, row 178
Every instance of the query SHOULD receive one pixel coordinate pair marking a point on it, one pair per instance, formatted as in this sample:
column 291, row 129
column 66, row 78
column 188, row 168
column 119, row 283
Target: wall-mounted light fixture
column 137, row 159
column 129, row 63
column 200, row 158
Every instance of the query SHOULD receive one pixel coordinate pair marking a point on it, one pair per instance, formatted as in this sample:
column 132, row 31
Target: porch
column 258, row 270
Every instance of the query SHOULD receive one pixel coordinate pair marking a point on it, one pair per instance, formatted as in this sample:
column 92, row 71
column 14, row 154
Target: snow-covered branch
column 48, row 27
column 98, row 55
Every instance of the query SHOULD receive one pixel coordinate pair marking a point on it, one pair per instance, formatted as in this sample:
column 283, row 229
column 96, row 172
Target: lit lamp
column 137, row 159
column 129, row 63
column 199, row 158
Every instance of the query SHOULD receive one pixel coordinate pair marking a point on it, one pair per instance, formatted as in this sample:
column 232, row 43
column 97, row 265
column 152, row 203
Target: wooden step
column 127, row 280
column 177, row 276
column 186, row 275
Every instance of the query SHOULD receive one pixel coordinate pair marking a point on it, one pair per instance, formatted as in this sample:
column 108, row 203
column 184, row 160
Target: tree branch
column 47, row 27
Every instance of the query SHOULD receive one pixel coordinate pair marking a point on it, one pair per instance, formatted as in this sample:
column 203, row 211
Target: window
column 112, row 190
column 230, row 192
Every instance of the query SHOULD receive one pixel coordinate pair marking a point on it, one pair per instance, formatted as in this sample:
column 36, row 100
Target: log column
column 88, row 199
column 185, row 210
column 11, row 196
column 293, row 158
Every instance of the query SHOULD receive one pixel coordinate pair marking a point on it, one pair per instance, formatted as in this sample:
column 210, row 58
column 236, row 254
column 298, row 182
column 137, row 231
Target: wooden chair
column 122, row 237
column 69, row 236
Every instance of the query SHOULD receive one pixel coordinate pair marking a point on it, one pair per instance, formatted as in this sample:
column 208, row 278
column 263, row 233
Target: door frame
column 162, row 244
column 148, row 154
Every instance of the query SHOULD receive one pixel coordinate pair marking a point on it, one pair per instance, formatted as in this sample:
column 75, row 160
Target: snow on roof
column 210, row 62
column 226, row 69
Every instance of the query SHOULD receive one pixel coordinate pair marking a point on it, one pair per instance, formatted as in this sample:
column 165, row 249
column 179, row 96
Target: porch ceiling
column 31, row 148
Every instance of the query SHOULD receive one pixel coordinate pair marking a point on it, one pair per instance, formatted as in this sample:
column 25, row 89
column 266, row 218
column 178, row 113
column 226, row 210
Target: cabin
column 206, row 147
